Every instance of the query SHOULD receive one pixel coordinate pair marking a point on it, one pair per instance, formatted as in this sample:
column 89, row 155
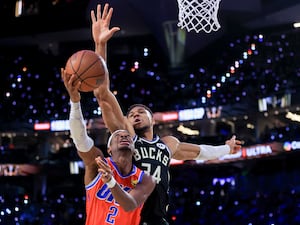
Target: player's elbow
column 130, row 207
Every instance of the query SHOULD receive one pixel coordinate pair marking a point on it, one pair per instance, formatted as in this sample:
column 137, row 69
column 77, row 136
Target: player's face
column 121, row 141
column 140, row 118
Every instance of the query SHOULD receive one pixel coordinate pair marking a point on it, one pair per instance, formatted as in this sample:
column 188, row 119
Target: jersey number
column 156, row 173
column 110, row 218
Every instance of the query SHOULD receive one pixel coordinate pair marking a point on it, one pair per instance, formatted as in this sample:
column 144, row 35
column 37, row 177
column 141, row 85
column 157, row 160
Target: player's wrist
column 230, row 148
column 75, row 97
column 111, row 183
column 75, row 100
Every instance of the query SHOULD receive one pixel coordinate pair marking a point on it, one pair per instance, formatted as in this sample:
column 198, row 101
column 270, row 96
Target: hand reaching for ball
column 71, row 86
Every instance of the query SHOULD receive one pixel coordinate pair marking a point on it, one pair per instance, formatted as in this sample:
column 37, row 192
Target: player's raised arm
column 84, row 144
column 100, row 29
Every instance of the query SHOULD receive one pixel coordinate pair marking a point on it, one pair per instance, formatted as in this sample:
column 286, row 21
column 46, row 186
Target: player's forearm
column 78, row 132
column 188, row 151
column 111, row 111
column 126, row 201
column 209, row 152
column 101, row 49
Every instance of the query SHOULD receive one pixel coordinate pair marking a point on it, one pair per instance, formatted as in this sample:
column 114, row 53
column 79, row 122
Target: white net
column 198, row 15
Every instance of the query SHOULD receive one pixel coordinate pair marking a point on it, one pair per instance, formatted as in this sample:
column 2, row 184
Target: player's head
column 141, row 118
column 139, row 106
column 120, row 140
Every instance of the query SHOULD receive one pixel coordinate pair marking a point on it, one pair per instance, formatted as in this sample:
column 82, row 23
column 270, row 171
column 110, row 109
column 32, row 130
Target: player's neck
column 124, row 164
column 148, row 135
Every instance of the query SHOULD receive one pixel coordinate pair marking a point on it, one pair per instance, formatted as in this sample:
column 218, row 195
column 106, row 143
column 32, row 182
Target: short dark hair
column 139, row 105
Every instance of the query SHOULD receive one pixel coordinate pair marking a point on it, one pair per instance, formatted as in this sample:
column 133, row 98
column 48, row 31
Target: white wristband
column 111, row 183
column 208, row 152
column 78, row 132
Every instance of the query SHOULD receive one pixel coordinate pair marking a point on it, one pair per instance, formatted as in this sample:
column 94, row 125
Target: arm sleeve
column 208, row 152
column 78, row 132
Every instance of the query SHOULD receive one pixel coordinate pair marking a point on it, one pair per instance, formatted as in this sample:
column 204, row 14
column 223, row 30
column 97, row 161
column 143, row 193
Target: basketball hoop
column 198, row 15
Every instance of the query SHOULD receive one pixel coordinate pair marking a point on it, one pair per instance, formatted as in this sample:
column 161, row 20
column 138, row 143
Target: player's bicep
column 186, row 151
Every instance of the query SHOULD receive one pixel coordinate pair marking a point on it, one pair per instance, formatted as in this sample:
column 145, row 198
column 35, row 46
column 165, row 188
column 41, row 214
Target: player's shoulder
column 171, row 142
column 169, row 139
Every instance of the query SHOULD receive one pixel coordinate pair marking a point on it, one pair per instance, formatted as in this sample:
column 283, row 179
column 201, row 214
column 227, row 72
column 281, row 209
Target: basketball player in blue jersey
column 152, row 153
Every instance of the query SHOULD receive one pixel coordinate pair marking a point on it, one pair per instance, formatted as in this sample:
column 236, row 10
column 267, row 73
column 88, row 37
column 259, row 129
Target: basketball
column 89, row 68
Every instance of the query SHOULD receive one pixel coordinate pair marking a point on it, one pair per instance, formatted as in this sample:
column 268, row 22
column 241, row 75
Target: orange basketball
column 89, row 68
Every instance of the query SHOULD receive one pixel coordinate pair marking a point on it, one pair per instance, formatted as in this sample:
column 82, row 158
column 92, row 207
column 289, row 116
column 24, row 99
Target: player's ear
column 153, row 121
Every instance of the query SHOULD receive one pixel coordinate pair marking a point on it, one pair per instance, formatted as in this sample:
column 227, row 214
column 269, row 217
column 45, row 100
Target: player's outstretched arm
column 189, row 151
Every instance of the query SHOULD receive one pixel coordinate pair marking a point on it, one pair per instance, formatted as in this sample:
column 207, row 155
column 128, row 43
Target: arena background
column 242, row 79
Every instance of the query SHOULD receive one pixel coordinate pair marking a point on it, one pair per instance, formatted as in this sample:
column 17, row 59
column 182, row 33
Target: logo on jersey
column 140, row 140
column 161, row 145
column 134, row 182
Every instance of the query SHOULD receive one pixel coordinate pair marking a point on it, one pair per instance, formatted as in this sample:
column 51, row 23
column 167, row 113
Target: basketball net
column 198, row 15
